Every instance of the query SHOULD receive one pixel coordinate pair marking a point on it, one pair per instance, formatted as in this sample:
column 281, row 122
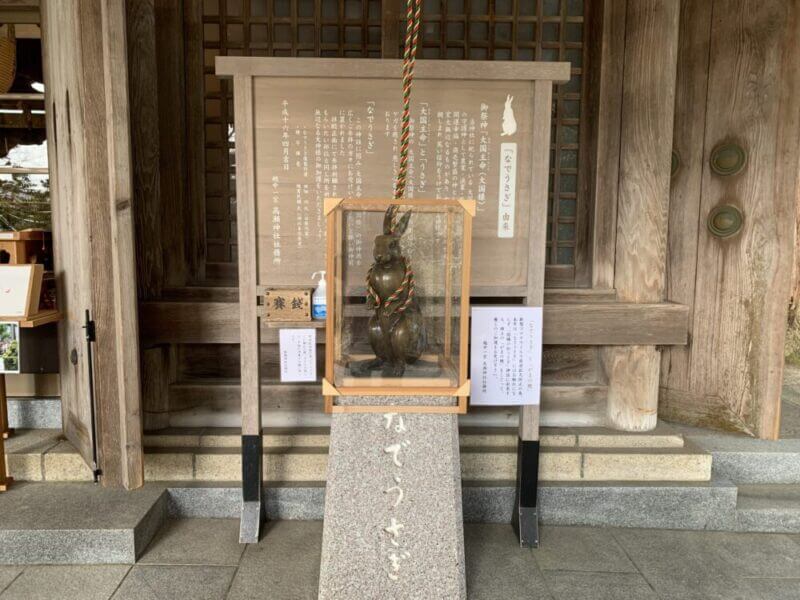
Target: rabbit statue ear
column 388, row 217
column 402, row 224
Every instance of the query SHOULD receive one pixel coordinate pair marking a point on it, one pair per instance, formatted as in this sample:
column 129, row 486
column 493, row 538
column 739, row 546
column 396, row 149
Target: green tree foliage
column 24, row 204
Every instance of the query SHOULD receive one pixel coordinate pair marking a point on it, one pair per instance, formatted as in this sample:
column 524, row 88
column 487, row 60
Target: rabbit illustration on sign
column 396, row 330
column 509, row 122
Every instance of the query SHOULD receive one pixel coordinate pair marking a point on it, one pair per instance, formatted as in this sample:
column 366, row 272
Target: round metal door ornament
column 725, row 221
column 728, row 159
column 676, row 163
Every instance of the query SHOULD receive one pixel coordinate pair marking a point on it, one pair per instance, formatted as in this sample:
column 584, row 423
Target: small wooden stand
column 41, row 318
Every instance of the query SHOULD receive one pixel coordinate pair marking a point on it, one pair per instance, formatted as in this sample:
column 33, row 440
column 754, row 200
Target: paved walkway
column 200, row 559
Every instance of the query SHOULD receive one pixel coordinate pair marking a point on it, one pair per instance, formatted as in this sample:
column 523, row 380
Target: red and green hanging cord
column 413, row 20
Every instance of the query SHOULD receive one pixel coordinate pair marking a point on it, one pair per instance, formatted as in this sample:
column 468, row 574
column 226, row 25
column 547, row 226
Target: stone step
column 746, row 460
column 768, row 507
column 81, row 523
column 77, row 523
column 34, row 413
column 44, row 455
column 594, row 437
column 702, row 505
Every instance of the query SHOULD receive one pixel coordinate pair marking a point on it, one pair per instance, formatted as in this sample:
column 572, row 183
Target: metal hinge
column 90, row 331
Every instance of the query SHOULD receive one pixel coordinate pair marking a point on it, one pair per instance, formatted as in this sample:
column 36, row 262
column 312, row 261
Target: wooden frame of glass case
column 451, row 353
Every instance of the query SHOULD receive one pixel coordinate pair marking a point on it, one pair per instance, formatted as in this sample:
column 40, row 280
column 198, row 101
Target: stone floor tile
column 775, row 589
column 284, row 564
column 497, row 567
column 196, row 542
column 678, row 565
column 66, row 583
column 766, row 555
column 581, row 549
column 569, row 585
column 7, row 575
column 153, row 582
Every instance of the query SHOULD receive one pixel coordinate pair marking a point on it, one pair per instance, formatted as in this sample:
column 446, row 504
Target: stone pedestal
column 393, row 522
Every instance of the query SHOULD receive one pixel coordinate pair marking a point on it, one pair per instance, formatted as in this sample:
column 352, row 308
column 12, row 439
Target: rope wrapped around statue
column 396, row 328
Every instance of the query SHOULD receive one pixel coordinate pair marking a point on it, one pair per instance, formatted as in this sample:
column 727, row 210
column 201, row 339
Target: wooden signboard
column 315, row 128
column 318, row 137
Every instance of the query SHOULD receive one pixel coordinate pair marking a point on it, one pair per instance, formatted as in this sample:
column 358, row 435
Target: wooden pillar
column 648, row 99
column 157, row 373
column 4, row 428
column 86, row 94
column 249, row 320
column 195, row 190
column 4, row 479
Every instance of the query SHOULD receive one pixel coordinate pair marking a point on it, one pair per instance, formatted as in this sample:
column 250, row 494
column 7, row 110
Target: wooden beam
column 648, row 105
column 379, row 68
column 592, row 324
column 562, row 405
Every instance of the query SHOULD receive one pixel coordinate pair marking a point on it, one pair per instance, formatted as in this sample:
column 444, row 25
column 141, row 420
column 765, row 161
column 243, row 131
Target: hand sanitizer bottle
column 319, row 307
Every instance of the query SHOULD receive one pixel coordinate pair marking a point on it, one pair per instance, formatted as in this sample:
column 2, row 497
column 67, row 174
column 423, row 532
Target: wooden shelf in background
column 294, row 324
column 41, row 318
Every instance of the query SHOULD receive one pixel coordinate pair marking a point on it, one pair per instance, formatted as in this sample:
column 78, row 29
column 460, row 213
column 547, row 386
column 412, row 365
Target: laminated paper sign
column 506, row 361
column 298, row 349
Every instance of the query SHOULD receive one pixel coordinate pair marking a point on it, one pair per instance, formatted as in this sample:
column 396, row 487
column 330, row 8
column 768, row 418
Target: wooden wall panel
column 743, row 284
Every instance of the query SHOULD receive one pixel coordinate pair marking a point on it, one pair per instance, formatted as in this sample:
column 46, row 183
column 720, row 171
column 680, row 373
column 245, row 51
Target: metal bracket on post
column 526, row 511
column 91, row 337
column 252, row 490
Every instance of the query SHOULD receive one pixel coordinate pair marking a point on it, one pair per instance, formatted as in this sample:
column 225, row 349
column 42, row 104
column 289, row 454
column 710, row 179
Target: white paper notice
column 508, row 190
column 506, row 363
column 298, row 355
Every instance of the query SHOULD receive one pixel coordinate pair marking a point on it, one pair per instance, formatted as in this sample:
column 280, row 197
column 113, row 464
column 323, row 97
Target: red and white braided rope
column 406, row 285
column 413, row 20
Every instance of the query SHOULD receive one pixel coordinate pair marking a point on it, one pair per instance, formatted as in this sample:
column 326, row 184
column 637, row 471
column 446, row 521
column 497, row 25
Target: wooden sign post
column 5, row 480
column 315, row 128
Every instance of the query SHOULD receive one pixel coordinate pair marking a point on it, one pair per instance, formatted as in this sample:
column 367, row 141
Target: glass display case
column 398, row 301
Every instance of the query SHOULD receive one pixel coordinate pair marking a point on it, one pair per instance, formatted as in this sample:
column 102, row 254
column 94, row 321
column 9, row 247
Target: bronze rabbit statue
column 396, row 330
